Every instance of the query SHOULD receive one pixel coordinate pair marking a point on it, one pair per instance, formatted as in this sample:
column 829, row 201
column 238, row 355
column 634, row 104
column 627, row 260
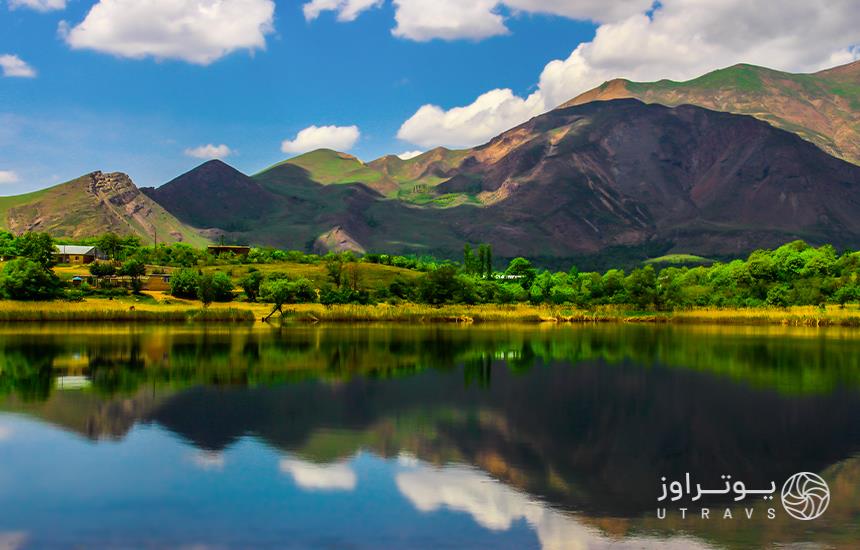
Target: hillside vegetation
column 91, row 205
column 822, row 107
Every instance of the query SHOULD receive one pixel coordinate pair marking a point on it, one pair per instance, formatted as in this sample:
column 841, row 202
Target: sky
column 155, row 87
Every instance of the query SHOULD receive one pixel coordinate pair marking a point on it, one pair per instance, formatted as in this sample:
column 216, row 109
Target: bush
column 215, row 288
column 25, row 279
column 184, row 284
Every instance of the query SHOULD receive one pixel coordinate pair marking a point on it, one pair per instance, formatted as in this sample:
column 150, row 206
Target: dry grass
column 161, row 307
column 101, row 310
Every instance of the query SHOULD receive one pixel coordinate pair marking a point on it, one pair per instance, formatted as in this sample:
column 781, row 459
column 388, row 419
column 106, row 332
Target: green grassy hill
column 822, row 107
column 92, row 205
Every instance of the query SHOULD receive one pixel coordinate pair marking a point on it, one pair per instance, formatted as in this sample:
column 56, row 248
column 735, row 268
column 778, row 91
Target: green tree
column 102, row 269
column 38, row 247
column 641, row 286
column 523, row 271
column 26, row 279
column 439, row 286
column 250, row 284
column 134, row 269
column 214, row 287
column 283, row 291
column 184, row 284
column 334, row 269
column 110, row 244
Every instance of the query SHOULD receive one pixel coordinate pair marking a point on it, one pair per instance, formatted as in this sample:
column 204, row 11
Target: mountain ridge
column 822, row 107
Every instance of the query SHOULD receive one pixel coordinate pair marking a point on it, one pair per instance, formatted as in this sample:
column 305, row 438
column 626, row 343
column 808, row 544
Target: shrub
column 25, row 279
column 184, row 284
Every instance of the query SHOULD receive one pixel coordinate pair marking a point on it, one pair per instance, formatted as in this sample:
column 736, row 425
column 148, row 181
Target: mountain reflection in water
column 543, row 437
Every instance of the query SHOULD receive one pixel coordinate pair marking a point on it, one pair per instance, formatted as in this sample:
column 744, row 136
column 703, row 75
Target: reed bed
column 181, row 311
column 107, row 311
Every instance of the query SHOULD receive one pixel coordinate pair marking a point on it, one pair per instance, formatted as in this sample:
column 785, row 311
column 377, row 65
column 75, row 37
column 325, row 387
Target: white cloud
column 197, row 31
column 13, row 65
column 489, row 115
column 347, row 10
column 319, row 477
column 339, row 138
column 39, row 5
column 680, row 40
column 8, row 176
column 406, row 155
column 496, row 507
column 424, row 20
column 209, row 151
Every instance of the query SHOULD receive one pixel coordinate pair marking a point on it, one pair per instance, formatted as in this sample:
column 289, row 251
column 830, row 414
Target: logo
column 805, row 496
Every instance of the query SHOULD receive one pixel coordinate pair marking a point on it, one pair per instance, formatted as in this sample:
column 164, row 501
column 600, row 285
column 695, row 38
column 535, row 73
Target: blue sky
column 86, row 99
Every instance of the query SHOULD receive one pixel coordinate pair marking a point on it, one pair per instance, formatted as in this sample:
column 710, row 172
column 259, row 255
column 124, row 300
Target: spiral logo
column 805, row 496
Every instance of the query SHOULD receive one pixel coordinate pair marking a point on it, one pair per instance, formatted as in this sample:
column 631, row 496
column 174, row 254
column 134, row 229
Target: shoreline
column 190, row 312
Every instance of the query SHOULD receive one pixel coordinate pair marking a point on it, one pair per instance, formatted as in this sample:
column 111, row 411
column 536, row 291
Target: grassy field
column 160, row 307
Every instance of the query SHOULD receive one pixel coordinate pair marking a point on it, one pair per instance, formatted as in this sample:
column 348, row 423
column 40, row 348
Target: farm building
column 74, row 254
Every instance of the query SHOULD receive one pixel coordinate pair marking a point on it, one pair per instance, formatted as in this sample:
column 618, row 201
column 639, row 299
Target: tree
column 134, row 269
column 102, row 269
column 641, row 286
column 25, row 279
column 38, row 247
column 184, row 284
column 216, row 287
column 111, row 244
column 8, row 248
column 250, row 284
column 523, row 271
column 283, row 291
column 439, row 286
column 470, row 263
column 334, row 269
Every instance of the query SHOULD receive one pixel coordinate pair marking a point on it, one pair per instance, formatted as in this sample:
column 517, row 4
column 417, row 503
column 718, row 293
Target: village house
column 74, row 254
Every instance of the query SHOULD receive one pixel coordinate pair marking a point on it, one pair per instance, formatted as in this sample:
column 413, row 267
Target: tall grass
column 107, row 311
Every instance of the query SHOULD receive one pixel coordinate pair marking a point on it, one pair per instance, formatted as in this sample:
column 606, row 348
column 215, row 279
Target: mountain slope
column 580, row 181
column 215, row 195
column 823, row 107
column 92, row 205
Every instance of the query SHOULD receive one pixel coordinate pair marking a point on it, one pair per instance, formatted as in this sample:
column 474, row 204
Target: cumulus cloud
column 8, row 176
column 495, row 506
column 347, row 10
column 339, row 138
column 406, row 155
column 39, row 5
column 423, row 20
column 197, row 31
column 14, row 66
column 679, row 39
column 209, row 151
column 319, row 477
column 490, row 114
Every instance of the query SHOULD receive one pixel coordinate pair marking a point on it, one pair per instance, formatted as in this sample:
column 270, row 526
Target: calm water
column 432, row 437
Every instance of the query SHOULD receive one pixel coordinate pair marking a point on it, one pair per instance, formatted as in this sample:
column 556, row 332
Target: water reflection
column 543, row 437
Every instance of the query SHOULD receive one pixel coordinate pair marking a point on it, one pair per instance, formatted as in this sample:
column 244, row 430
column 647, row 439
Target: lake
column 422, row 437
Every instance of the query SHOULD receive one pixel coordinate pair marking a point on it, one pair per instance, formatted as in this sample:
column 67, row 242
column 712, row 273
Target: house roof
column 75, row 249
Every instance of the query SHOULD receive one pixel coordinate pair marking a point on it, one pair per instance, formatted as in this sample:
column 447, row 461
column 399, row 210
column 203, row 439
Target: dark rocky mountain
column 577, row 181
column 215, row 195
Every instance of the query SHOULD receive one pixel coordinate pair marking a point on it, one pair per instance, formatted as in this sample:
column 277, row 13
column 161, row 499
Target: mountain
column 92, row 205
column 823, row 107
column 577, row 181
column 215, row 195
